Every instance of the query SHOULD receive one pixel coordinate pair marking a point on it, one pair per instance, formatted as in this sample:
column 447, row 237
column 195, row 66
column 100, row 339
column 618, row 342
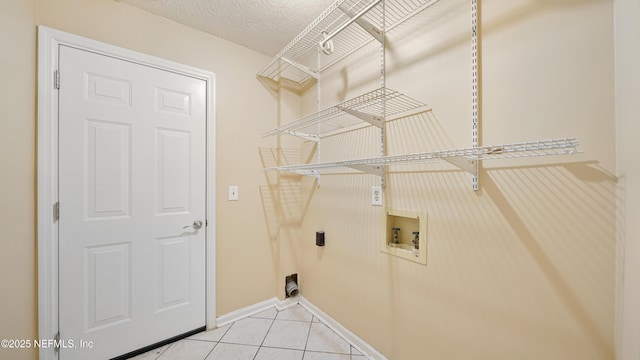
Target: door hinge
column 56, row 342
column 56, row 211
column 56, row 79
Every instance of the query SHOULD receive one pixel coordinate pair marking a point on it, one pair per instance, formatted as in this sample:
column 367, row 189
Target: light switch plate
column 233, row 193
column 376, row 195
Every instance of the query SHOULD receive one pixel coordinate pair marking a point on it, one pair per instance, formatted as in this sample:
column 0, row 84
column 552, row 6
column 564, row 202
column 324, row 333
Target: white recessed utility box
column 405, row 235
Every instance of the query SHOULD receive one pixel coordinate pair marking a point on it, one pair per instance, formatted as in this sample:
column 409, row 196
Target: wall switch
column 233, row 193
column 376, row 195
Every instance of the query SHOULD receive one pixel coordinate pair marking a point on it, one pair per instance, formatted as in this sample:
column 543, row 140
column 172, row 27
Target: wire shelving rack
column 373, row 107
column 346, row 26
column 465, row 158
column 342, row 29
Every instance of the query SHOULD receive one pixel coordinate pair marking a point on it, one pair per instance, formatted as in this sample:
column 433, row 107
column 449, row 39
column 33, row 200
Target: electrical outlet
column 233, row 193
column 376, row 195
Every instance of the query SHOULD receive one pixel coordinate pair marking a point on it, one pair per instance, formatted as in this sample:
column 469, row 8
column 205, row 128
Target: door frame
column 49, row 41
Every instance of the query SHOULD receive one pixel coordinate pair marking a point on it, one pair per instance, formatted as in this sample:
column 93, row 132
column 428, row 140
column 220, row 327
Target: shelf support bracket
column 377, row 170
column 364, row 24
column 311, row 173
column 466, row 164
column 374, row 120
column 352, row 20
column 300, row 67
column 310, row 137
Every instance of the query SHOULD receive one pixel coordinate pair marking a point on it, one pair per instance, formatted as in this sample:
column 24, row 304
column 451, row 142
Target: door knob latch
column 196, row 225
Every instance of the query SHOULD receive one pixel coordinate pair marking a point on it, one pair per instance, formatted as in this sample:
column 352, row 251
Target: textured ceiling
column 265, row 26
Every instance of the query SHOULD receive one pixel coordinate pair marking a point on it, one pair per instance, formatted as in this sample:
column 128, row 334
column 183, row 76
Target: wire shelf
column 373, row 107
column 345, row 27
column 299, row 60
column 563, row 146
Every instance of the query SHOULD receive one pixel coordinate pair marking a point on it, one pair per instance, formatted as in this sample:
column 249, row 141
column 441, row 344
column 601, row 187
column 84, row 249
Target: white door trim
column 48, row 44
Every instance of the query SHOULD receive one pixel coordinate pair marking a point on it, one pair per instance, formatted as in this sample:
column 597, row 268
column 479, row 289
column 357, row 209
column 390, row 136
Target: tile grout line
column 218, row 342
column 308, row 335
column 162, row 352
column 265, row 335
column 210, row 351
column 310, row 322
column 340, row 334
column 262, row 345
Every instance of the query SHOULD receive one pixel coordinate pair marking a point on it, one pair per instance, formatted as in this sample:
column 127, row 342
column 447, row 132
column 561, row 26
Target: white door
column 132, row 177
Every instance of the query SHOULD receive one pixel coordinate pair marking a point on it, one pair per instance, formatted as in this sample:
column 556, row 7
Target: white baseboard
column 246, row 312
column 362, row 346
column 366, row 349
column 288, row 302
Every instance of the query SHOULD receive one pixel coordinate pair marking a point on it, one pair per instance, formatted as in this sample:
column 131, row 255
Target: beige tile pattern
column 211, row 335
column 323, row 339
column 290, row 334
column 312, row 355
column 249, row 331
column 187, row 350
column 267, row 353
column 270, row 313
column 295, row 313
column 233, row 352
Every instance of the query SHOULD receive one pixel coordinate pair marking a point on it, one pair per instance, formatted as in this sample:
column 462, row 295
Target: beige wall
column 627, row 44
column 17, row 179
column 245, row 265
column 525, row 267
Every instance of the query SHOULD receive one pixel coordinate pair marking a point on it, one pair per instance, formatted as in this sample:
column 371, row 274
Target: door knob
column 196, row 225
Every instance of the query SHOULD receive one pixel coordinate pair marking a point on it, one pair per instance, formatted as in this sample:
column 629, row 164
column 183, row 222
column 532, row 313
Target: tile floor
column 290, row 334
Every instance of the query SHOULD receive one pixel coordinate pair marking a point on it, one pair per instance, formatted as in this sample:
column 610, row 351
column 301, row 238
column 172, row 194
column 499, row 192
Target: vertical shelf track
column 475, row 79
column 371, row 19
column 383, row 129
column 318, row 107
